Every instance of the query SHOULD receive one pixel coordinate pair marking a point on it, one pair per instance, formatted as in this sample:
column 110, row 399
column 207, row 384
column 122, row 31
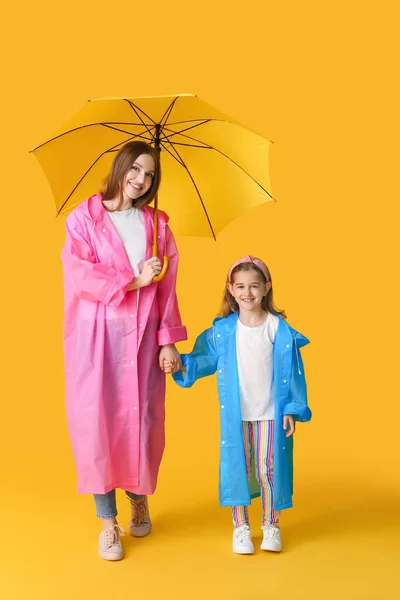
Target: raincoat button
column 287, row 345
column 132, row 316
column 140, row 325
column 135, row 408
column 158, row 236
column 284, row 381
column 222, row 442
column 104, row 230
column 222, row 406
column 218, row 335
column 284, row 448
column 132, row 362
column 220, row 371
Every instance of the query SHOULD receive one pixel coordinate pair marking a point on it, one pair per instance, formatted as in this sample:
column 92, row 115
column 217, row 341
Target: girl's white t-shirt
column 130, row 228
column 254, row 347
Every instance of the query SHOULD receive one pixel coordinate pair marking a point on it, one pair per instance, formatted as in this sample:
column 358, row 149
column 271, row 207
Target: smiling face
column 248, row 289
column 139, row 178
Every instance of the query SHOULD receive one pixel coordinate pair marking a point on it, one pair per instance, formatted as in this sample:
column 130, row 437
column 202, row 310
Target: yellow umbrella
column 213, row 168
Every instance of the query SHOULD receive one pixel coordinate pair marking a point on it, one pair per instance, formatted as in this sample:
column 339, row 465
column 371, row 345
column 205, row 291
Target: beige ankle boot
column 140, row 523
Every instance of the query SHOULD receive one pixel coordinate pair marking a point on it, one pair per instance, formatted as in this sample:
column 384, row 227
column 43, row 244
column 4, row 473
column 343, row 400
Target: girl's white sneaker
column 109, row 543
column 241, row 542
column 271, row 538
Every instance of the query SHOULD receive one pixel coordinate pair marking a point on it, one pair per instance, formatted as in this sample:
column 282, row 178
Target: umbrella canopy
column 213, row 168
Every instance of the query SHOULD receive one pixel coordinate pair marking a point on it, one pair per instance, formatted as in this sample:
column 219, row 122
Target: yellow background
column 320, row 79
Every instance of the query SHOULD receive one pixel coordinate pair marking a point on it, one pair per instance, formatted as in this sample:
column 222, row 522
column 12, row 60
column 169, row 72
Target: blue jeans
column 106, row 505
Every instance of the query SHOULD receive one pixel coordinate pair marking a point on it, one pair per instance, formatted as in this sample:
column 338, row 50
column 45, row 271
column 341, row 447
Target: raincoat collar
column 101, row 219
column 228, row 326
column 99, row 215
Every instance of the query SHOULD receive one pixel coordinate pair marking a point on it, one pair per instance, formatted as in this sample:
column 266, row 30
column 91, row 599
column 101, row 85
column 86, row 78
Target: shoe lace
column 139, row 511
column 244, row 534
column 271, row 532
column 112, row 535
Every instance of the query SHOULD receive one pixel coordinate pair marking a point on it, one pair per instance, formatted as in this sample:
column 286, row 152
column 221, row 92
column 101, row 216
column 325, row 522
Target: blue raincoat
column 215, row 351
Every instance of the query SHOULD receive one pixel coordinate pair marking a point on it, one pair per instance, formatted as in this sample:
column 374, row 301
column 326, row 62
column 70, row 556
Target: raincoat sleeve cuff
column 171, row 335
column 117, row 290
column 301, row 412
column 187, row 376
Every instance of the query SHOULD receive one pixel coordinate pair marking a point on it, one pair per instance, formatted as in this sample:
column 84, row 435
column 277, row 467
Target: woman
column 119, row 328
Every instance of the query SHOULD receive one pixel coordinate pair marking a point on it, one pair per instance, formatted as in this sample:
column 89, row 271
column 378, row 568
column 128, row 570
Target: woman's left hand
column 170, row 354
column 290, row 424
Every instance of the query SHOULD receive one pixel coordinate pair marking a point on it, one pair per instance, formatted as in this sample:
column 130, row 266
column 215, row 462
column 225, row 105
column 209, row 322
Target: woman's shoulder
column 162, row 216
column 87, row 209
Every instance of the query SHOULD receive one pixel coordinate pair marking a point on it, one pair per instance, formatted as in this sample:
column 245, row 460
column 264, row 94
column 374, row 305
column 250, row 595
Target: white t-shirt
column 254, row 347
column 130, row 228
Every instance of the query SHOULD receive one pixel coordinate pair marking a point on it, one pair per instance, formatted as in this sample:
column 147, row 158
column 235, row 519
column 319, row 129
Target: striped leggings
column 259, row 442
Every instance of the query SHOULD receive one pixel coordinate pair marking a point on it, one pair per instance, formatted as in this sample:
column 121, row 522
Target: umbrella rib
column 173, row 156
column 112, row 149
column 231, row 160
column 182, row 162
column 82, row 127
column 205, row 147
column 138, row 135
column 204, row 119
column 173, row 133
column 80, row 181
column 136, row 110
column 244, row 171
column 218, row 121
column 168, row 112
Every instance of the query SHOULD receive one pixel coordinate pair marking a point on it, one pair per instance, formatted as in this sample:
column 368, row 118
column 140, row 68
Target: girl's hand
column 289, row 422
column 171, row 355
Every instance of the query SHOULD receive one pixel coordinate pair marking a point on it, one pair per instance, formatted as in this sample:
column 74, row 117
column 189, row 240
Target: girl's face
column 248, row 289
column 139, row 178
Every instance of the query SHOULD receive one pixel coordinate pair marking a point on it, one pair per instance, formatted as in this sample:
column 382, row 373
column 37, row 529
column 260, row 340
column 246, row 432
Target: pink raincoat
column 114, row 386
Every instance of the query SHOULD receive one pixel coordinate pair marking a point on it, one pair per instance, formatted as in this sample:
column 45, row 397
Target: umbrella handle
column 163, row 270
column 155, row 244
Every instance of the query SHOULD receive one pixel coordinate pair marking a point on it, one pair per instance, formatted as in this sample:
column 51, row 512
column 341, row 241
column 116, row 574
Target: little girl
column 262, row 393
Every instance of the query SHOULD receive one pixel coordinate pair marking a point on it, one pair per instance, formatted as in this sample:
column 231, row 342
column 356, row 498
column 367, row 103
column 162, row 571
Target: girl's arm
column 171, row 329
column 202, row 361
column 297, row 405
column 90, row 279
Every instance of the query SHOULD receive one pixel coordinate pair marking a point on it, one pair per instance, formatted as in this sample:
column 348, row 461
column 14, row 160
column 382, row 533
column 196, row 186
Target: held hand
column 170, row 355
column 167, row 367
column 290, row 424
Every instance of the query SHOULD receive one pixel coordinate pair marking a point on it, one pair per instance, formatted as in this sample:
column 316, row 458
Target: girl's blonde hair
column 229, row 304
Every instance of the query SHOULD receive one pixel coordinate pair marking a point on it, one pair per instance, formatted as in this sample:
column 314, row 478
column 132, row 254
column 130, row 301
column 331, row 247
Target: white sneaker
column 109, row 543
column 241, row 542
column 271, row 538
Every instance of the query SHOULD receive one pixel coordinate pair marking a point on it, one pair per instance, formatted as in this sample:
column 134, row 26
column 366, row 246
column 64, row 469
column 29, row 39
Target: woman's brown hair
column 113, row 184
column 229, row 304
